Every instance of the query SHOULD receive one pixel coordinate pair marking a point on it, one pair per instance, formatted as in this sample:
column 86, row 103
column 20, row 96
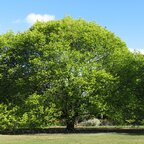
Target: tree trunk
column 70, row 126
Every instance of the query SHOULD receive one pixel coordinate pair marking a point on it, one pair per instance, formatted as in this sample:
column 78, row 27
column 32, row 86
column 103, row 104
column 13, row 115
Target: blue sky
column 125, row 18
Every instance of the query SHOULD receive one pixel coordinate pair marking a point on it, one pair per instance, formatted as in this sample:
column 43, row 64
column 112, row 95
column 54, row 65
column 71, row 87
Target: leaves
column 61, row 70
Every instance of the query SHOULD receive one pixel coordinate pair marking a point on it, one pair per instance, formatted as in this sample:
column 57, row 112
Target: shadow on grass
column 129, row 131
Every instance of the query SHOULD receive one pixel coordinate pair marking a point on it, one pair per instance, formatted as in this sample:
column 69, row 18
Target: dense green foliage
column 66, row 71
column 128, row 97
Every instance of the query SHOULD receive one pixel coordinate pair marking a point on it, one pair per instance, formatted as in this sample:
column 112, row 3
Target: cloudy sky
column 123, row 17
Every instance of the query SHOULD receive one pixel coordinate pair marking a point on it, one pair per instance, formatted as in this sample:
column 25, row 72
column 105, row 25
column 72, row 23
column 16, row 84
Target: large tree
column 73, row 66
column 66, row 62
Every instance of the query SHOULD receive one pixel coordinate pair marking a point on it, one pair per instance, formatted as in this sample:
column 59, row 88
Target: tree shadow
column 128, row 131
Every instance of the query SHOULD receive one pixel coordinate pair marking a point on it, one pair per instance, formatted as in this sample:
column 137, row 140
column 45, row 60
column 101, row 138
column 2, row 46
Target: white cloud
column 32, row 18
column 137, row 50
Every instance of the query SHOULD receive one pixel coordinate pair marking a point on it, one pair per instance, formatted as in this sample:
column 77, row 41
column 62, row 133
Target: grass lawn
column 101, row 138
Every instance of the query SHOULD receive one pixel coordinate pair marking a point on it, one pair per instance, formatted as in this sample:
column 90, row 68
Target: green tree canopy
column 67, row 62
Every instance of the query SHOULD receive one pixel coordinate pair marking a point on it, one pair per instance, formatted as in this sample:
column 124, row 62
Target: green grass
column 101, row 138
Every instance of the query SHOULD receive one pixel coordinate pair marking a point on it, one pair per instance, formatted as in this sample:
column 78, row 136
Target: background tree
column 127, row 97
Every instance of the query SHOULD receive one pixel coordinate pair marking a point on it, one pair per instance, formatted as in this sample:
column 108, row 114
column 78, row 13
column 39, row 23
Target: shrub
column 91, row 122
